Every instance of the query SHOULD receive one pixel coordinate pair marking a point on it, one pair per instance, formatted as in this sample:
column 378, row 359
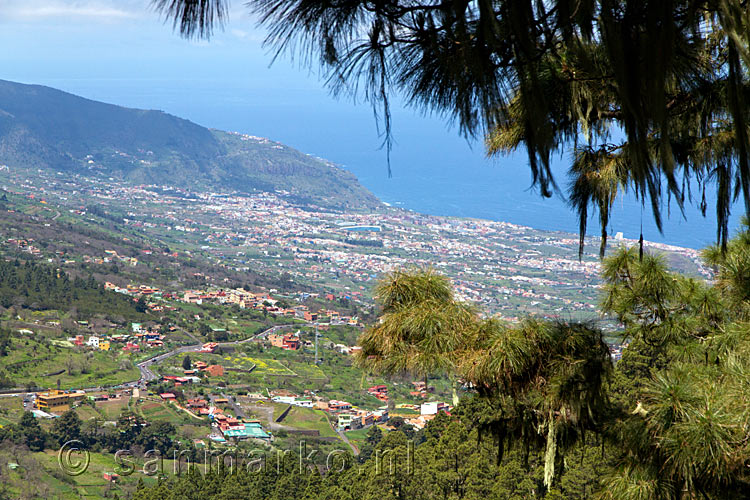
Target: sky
column 121, row 52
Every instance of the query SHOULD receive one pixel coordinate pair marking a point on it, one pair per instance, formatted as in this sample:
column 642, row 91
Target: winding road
column 148, row 375
column 144, row 367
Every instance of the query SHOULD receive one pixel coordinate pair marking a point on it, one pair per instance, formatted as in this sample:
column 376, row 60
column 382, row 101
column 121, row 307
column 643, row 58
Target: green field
column 357, row 437
column 34, row 362
column 309, row 419
column 163, row 412
column 111, row 409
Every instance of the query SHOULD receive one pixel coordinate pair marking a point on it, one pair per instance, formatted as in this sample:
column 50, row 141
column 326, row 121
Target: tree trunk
column 549, row 455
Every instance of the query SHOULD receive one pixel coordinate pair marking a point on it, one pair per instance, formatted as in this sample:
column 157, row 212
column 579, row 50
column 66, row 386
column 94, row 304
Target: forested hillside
column 39, row 287
column 44, row 127
column 445, row 460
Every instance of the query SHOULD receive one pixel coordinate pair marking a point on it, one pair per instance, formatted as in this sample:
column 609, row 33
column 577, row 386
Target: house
column 240, row 430
column 303, row 402
column 335, row 406
column 168, row 396
column 432, row 408
column 192, row 298
column 380, row 415
column 289, row 341
column 93, row 342
column 377, row 389
column 348, row 422
column 287, row 400
column 104, row 345
column 367, row 419
column 197, row 403
column 209, row 347
column 215, row 370
column 110, row 477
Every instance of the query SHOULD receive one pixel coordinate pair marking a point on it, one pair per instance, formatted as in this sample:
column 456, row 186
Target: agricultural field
column 309, row 420
column 11, row 409
column 111, row 409
column 38, row 362
column 87, row 412
column 357, row 437
column 159, row 411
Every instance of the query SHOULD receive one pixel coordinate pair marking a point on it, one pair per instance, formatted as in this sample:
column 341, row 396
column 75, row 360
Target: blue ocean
column 434, row 170
column 230, row 83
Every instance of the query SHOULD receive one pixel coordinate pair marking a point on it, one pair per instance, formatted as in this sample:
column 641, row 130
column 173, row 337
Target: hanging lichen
column 549, row 455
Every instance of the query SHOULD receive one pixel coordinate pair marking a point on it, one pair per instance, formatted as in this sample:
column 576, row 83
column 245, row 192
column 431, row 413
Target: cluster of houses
column 140, row 337
column 94, row 342
column 25, row 245
column 244, row 299
column 111, row 256
column 224, row 427
column 235, row 429
column 379, row 391
column 421, row 390
column 427, row 412
column 202, row 366
column 347, row 416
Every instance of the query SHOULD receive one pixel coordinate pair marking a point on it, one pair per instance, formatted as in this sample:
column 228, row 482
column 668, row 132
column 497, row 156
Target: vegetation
column 44, row 127
column 671, row 76
column 39, row 287
column 551, row 416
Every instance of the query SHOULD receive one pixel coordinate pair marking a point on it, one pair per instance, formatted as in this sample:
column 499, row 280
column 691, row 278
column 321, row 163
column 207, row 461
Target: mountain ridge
column 43, row 127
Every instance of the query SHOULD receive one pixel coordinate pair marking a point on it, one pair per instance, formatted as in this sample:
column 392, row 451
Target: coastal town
column 508, row 270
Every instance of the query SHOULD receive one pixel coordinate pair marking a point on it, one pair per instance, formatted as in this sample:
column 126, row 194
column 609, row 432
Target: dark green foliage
column 66, row 428
column 682, row 384
column 4, row 341
column 34, row 435
column 26, row 432
column 40, row 287
column 450, row 461
column 194, row 17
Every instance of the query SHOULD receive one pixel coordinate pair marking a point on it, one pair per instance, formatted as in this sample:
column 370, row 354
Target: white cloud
column 33, row 10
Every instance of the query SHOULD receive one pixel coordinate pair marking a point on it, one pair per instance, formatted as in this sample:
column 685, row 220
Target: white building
column 432, row 408
column 93, row 342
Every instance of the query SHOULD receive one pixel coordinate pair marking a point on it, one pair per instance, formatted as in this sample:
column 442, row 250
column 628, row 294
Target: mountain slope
column 41, row 127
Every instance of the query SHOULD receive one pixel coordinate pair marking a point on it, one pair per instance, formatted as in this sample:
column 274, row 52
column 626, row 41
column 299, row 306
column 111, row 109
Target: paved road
column 238, row 411
column 147, row 373
column 145, row 366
